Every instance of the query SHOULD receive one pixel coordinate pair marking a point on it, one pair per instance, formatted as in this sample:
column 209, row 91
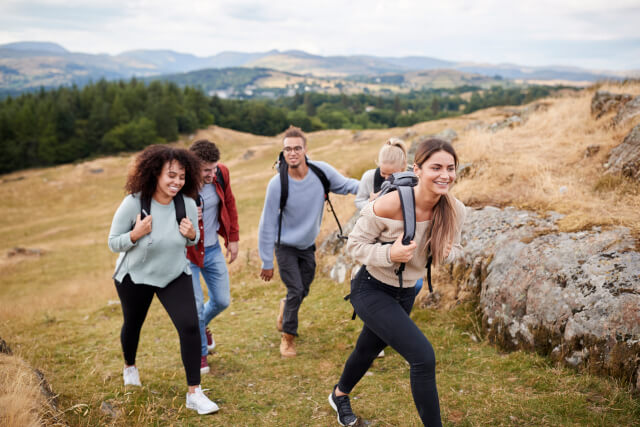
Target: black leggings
column 385, row 312
column 177, row 298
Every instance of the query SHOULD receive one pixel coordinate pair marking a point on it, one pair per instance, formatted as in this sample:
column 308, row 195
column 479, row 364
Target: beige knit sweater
column 365, row 245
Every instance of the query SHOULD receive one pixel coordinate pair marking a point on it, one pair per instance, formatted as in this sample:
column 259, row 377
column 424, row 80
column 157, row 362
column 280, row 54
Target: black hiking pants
column 385, row 309
column 177, row 298
column 297, row 269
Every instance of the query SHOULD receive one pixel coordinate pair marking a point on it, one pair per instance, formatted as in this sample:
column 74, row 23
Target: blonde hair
column 394, row 151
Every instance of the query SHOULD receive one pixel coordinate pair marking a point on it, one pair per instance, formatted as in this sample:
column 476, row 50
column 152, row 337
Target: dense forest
column 70, row 123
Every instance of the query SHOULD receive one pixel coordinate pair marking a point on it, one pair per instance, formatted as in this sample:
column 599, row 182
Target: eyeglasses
column 297, row 149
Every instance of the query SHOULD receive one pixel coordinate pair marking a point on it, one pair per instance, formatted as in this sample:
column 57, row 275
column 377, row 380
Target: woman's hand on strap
column 186, row 229
column 400, row 252
column 141, row 229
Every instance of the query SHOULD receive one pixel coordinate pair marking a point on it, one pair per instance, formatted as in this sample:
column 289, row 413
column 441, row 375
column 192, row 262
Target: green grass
column 79, row 350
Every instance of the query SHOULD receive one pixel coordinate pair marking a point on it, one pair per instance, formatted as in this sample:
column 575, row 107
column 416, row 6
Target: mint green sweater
column 159, row 257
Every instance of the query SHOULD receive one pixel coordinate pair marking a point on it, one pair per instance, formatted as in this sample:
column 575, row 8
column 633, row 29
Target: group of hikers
column 180, row 201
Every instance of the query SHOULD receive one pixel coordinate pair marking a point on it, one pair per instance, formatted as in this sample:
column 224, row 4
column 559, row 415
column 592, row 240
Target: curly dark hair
column 205, row 150
column 143, row 177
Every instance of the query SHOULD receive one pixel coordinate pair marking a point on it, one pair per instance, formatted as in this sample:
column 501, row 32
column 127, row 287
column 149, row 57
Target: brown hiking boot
column 288, row 345
column 280, row 314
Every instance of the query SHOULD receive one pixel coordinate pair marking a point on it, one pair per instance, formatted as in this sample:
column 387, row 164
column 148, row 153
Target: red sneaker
column 204, row 366
column 211, row 344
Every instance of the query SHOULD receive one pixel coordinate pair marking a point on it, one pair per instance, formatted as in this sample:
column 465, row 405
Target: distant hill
column 248, row 83
column 29, row 65
column 35, row 47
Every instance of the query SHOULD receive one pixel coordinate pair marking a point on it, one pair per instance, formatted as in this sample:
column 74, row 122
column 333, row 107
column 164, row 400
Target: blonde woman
column 392, row 158
column 376, row 294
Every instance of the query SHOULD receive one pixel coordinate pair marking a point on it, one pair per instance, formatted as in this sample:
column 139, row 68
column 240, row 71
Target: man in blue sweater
column 301, row 219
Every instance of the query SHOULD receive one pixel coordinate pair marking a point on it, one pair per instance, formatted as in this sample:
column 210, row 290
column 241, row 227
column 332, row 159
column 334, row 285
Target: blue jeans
column 418, row 286
column 216, row 278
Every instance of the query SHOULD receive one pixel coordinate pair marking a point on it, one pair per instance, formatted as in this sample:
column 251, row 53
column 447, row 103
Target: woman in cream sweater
column 376, row 294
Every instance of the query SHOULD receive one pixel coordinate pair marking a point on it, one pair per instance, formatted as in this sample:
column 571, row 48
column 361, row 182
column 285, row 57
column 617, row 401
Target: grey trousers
column 297, row 268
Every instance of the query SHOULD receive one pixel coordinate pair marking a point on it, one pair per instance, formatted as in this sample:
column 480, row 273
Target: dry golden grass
column 542, row 166
column 22, row 404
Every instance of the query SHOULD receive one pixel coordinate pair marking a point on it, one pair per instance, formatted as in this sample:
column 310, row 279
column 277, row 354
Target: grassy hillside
column 57, row 309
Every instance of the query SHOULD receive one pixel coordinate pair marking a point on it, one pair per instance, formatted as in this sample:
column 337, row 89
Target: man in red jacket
column 217, row 215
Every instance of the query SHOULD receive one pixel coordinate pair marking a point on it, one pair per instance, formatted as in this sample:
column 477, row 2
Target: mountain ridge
column 31, row 64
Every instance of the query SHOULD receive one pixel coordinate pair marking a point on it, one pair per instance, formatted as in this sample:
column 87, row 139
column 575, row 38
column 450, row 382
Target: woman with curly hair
column 153, row 261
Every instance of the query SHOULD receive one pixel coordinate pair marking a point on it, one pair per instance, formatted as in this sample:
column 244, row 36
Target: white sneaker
column 131, row 376
column 200, row 402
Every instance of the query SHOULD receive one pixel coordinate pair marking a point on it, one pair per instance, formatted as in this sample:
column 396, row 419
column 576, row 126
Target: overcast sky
column 594, row 34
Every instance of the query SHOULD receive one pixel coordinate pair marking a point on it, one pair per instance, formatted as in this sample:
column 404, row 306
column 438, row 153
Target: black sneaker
column 342, row 406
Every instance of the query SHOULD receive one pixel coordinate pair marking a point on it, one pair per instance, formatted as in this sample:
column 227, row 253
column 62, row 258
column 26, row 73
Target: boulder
column 604, row 102
column 508, row 123
column 628, row 112
column 571, row 296
column 625, row 158
column 574, row 297
column 475, row 125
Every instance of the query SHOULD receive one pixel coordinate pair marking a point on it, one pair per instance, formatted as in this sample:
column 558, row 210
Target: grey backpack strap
column 408, row 203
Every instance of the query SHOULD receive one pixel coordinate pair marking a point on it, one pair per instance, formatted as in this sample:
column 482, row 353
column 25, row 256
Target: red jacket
column 227, row 218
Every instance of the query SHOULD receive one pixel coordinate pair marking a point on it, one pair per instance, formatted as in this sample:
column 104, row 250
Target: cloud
column 529, row 32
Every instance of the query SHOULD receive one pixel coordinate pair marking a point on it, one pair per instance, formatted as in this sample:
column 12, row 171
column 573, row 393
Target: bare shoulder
column 388, row 206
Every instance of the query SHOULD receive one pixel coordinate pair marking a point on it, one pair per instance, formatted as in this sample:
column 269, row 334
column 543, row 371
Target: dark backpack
column 378, row 179
column 283, row 170
column 178, row 201
column 145, row 209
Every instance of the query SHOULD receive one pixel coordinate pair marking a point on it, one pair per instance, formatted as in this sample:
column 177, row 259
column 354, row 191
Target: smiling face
column 170, row 181
column 437, row 173
column 294, row 151
column 209, row 170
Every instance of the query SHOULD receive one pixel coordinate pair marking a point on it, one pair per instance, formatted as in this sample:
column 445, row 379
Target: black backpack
column 145, row 209
column 378, row 179
column 403, row 183
column 178, row 201
column 283, row 170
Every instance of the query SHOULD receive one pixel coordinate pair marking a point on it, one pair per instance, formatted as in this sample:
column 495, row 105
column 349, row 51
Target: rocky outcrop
column 628, row 112
column 572, row 296
column 604, row 102
column 625, row 158
column 514, row 117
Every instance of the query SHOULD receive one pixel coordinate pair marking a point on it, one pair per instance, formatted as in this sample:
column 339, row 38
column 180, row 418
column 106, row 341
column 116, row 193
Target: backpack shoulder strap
column 283, row 170
column 178, row 202
column 145, row 207
column 327, row 188
column 323, row 178
column 408, row 204
column 220, row 179
column 377, row 180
